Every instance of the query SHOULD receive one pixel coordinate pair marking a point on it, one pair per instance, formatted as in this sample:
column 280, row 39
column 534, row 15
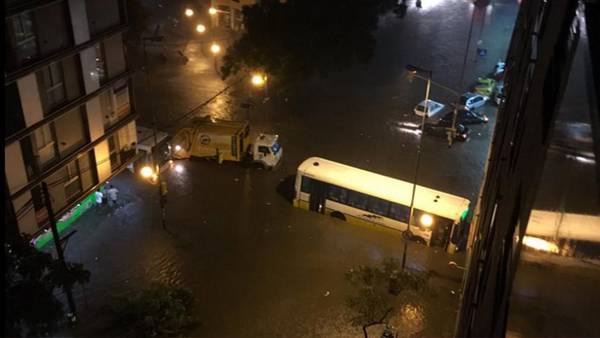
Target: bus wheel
column 419, row 240
column 338, row 215
column 407, row 235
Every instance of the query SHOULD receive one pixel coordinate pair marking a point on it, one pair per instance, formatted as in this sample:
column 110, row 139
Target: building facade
column 69, row 115
column 229, row 13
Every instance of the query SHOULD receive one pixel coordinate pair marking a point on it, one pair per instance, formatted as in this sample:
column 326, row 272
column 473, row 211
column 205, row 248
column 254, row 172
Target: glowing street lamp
column 258, row 80
column 212, row 11
column 215, row 48
column 189, row 12
column 147, row 172
column 200, row 28
column 179, row 168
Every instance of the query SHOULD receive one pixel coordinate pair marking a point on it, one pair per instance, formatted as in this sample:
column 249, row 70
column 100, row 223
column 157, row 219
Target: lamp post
column 215, row 49
column 161, row 190
column 413, row 70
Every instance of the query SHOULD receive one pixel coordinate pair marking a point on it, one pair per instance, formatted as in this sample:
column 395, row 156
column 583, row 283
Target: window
column 100, row 65
column 25, row 40
column 106, row 107
column 306, row 184
column 73, row 183
column 113, row 148
column 357, row 199
column 378, row 206
column 51, row 79
column 70, row 131
column 102, row 15
column 338, row 194
column 122, row 100
column 44, row 145
column 399, row 212
column 263, row 149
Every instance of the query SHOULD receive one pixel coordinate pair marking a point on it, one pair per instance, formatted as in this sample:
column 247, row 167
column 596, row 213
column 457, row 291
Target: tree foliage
column 31, row 277
column 296, row 39
column 158, row 311
column 376, row 290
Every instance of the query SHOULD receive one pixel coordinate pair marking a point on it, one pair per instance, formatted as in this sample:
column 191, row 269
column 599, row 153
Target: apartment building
column 69, row 114
column 229, row 13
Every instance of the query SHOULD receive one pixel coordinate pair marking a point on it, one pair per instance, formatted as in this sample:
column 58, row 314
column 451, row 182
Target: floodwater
column 257, row 266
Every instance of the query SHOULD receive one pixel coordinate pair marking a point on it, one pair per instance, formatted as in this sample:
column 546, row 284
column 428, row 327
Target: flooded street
column 257, row 266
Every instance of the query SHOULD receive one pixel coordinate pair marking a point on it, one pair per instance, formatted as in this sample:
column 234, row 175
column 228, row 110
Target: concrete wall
column 94, row 117
column 79, row 21
column 102, row 160
column 88, row 70
column 31, row 102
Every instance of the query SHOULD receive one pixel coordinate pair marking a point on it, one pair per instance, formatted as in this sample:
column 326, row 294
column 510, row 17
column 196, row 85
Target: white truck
column 226, row 141
column 147, row 149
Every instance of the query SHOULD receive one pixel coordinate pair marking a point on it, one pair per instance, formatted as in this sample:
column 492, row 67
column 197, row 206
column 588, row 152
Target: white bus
column 363, row 197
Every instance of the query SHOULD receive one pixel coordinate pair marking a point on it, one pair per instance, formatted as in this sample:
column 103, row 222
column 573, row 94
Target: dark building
column 69, row 117
column 549, row 123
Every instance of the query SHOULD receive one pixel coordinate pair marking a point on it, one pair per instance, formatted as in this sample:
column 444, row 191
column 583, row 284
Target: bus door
column 318, row 194
column 440, row 234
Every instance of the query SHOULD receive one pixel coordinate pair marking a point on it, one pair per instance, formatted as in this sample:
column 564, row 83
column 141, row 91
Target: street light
column 146, row 172
column 200, row 28
column 189, row 12
column 413, row 71
column 258, row 80
column 212, row 11
column 215, row 48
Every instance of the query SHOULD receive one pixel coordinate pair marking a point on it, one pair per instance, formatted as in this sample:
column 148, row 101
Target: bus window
column 338, row 194
column 399, row 212
column 378, row 206
column 306, row 183
column 357, row 200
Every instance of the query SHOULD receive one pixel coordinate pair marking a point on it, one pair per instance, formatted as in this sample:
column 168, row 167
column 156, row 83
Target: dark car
column 462, row 132
column 464, row 117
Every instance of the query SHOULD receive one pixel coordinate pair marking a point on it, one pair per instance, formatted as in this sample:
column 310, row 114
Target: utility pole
column 412, row 72
column 59, row 249
column 462, row 76
column 162, row 188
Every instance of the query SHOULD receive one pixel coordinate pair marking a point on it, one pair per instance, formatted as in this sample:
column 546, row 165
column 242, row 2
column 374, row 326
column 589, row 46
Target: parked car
column 433, row 108
column 462, row 132
column 485, row 86
column 471, row 101
column 499, row 70
column 464, row 116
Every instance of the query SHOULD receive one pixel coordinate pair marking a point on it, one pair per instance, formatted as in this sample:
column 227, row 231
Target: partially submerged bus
column 363, row 197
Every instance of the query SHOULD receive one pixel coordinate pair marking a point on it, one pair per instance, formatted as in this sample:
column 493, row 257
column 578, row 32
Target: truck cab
column 266, row 150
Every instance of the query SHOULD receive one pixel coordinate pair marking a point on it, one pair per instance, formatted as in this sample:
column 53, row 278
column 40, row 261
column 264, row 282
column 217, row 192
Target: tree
column 295, row 39
column 160, row 310
column 31, row 276
column 377, row 290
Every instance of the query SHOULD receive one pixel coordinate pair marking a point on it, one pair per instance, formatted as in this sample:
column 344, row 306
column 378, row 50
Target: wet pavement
column 257, row 266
